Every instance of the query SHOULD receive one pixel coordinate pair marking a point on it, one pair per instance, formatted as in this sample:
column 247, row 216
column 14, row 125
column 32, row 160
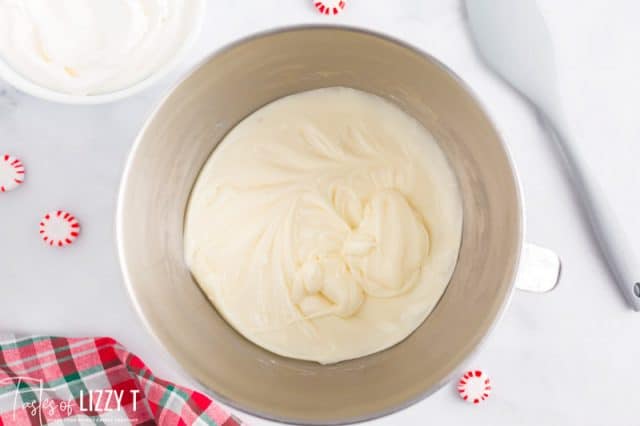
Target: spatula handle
column 623, row 261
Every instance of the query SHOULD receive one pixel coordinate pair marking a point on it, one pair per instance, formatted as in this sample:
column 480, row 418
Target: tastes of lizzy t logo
column 29, row 399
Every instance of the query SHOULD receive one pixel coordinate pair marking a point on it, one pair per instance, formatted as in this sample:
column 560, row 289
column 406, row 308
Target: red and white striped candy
column 474, row 386
column 59, row 228
column 11, row 173
column 330, row 7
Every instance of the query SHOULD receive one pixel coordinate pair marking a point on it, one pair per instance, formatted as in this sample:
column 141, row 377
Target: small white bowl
column 24, row 84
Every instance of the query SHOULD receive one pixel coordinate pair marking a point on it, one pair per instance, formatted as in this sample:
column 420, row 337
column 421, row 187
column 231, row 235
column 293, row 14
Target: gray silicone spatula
column 513, row 39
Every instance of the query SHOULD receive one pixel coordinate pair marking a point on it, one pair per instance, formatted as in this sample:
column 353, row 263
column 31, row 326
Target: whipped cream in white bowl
column 94, row 51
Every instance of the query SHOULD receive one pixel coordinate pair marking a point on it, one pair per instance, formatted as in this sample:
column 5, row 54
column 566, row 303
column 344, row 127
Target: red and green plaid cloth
column 59, row 381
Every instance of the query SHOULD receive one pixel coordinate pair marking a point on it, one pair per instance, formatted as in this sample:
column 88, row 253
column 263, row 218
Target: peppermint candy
column 474, row 386
column 11, row 173
column 59, row 228
column 330, row 7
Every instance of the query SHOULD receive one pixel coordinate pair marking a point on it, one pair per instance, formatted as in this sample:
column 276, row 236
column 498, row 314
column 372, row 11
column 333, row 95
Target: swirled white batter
column 325, row 226
column 92, row 46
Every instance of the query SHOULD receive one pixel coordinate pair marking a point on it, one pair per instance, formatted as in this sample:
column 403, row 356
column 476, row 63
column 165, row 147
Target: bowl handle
column 539, row 270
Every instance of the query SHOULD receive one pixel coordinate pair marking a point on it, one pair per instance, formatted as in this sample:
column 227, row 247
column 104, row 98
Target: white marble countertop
column 567, row 357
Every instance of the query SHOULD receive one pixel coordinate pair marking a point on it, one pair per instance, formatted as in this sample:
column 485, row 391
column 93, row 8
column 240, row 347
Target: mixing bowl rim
column 121, row 214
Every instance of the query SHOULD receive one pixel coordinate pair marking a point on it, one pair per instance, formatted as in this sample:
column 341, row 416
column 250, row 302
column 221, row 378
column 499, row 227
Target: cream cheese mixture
column 326, row 225
column 88, row 47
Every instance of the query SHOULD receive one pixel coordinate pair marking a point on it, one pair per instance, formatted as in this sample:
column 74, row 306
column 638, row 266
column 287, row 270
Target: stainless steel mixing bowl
column 182, row 133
